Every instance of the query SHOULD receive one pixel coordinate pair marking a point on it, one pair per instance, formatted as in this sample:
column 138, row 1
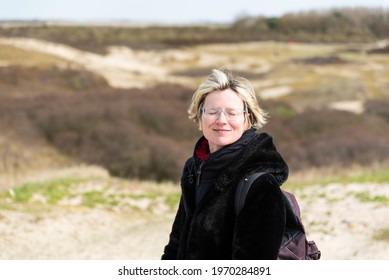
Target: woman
column 225, row 108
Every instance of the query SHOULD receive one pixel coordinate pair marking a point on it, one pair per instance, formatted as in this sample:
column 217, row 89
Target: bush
column 135, row 133
column 319, row 138
column 145, row 133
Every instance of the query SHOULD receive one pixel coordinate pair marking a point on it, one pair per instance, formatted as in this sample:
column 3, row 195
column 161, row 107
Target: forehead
column 223, row 98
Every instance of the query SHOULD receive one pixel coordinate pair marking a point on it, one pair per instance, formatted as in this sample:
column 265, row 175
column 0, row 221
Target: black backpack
column 295, row 245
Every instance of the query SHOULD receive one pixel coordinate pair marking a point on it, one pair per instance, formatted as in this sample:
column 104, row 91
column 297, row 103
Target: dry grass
column 10, row 55
column 327, row 175
column 111, row 116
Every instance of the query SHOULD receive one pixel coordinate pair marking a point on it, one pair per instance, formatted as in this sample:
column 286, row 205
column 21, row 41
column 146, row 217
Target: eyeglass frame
column 219, row 111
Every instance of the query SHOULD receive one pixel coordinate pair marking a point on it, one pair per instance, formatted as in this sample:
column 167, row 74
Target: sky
column 165, row 11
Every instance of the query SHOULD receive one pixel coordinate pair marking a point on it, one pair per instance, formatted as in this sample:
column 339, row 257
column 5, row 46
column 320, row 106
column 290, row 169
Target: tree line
column 326, row 26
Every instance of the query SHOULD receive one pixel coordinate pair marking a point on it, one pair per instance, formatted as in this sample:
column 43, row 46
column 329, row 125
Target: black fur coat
column 205, row 226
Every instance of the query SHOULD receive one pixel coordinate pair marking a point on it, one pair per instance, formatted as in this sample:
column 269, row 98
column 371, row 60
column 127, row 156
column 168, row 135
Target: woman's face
column 222, row 128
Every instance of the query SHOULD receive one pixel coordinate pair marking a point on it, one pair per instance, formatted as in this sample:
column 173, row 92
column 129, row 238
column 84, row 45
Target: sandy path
column 87, row 234
column 121, row 67
column 342, row 226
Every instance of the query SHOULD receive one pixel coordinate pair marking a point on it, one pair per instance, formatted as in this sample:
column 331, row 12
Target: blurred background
column 94, row 130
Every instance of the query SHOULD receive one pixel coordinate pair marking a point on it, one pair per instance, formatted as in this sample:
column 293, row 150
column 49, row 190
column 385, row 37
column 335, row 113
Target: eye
column 212, row 111
column 233, row 112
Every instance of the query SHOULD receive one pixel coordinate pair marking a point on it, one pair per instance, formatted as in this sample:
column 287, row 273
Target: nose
column 222, row 117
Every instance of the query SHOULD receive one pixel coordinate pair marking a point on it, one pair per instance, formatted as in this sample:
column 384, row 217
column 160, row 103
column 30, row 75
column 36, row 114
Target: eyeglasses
column 212, row 114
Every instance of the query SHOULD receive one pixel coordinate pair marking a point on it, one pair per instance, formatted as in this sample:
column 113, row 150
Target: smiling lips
column 220, row 130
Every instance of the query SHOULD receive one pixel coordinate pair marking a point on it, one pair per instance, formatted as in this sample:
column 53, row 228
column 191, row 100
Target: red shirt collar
column 202, row 151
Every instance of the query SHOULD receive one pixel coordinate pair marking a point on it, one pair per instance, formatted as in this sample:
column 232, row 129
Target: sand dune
column 342, row 226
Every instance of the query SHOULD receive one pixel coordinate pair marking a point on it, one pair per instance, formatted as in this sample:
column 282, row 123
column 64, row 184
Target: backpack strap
column 244, row 187
column 291, row 205
column 242, row 190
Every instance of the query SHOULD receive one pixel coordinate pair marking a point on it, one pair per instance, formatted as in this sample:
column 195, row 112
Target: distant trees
column 347, row 24
column 335, row 25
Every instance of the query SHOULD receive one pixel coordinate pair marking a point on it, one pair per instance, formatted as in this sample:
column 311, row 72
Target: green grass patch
column 366, row 175
column 375, row 176
column 172, row 200
column 365, row 197
column 93, row 198
column 285, row 112
column 52, row 191
column 369, row 176
column 382, row 235
column 148, row 195
column 49, row 193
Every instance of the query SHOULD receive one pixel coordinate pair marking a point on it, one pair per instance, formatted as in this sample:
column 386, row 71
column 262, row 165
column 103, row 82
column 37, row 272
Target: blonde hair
column 221, row 79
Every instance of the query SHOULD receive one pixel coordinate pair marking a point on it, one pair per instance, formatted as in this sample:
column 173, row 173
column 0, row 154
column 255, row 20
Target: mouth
column 220, row 130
